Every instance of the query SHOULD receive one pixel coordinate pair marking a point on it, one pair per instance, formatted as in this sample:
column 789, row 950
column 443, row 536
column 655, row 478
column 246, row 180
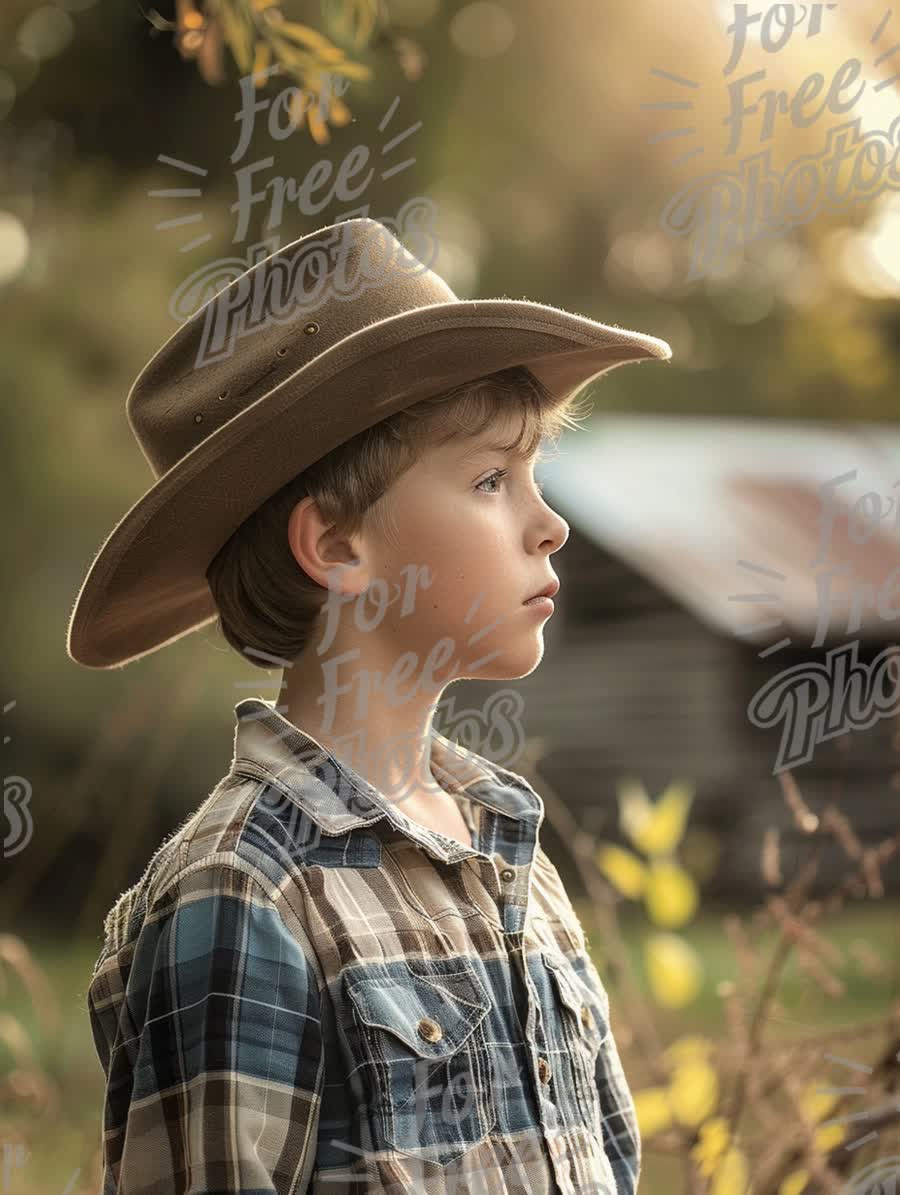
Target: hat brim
column 146, row 586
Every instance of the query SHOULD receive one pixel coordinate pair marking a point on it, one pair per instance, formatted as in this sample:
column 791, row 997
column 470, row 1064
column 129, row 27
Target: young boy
column 353, row 968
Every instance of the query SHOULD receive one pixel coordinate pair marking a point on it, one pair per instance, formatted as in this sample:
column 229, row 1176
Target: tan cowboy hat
column 313, row 344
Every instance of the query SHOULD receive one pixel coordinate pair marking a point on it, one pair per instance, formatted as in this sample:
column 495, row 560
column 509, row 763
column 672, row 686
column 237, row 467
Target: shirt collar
column 268, row 746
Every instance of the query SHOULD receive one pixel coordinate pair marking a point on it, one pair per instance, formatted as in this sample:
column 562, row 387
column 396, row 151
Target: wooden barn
column 707, row 557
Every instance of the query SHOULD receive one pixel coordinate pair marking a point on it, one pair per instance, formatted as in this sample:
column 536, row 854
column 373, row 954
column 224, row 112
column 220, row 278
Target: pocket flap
column 423, row 990
column 575, row 994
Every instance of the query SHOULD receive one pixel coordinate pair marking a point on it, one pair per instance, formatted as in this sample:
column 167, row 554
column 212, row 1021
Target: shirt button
column 586, row 1016
column 544, row 1070
column 429, row 1029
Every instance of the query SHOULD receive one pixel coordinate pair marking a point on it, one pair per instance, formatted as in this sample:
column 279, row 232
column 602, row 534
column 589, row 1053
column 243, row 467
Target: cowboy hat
column 311, row 345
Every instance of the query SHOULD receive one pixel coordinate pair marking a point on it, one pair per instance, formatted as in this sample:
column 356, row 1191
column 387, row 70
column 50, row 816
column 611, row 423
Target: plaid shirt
column 307, row 991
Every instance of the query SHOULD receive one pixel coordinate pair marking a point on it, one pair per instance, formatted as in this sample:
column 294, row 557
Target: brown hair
column 266, row 602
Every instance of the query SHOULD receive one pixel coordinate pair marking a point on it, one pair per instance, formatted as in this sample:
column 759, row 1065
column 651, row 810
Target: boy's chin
column 513, row 664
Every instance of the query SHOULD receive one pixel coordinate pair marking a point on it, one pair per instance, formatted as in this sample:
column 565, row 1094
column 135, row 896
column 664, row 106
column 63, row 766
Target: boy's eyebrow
column 485, row 449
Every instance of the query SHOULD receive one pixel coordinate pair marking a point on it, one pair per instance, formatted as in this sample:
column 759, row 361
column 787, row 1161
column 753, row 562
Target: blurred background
column 600, row 159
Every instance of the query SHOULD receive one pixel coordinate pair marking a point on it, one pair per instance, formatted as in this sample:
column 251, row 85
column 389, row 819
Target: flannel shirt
column 308, row 991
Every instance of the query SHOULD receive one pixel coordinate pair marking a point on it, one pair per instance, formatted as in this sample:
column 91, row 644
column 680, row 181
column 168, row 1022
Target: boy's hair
column 265, row 600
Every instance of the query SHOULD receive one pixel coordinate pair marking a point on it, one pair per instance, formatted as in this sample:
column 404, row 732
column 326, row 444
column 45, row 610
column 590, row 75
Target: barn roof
column 766, row 529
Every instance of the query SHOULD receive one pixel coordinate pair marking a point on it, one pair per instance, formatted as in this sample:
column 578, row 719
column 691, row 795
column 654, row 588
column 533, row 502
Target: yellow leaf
column 694, row 1092
column 317, row 126
column 670, row 894
column 815, row 1102
column 623, row 869
column 687, row 1049
column 656, row 829
column 304, row 36
column 634, row 807
column 237, row 32
column 793, row 1183
column 261, row 63
column 297, row 107
column 732, row 1174
column 674, row 970
column 654, row 1112
column 340, row 113
column 714, row 1137
column 366, row 13
column 828, row 1136
column 353, row 70
column 663, row 832
column 329, row 57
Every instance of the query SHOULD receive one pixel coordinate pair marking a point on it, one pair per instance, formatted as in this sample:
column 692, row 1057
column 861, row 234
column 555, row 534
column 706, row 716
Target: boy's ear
column 322, row 552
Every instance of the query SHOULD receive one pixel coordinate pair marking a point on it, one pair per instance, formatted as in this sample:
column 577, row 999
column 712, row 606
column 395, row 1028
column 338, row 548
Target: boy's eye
column 498, row 475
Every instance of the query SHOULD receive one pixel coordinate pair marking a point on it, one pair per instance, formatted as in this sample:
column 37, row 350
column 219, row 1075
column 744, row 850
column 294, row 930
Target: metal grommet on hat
column 311, row 328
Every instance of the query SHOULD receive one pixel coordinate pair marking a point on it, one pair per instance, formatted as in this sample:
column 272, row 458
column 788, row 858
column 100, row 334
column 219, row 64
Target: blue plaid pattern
column 308, row 991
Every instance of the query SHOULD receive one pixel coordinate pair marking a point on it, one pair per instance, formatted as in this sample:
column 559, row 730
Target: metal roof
column 801, row 516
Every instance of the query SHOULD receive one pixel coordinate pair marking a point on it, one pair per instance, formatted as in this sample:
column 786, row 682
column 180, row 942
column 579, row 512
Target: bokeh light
column 14, row 246
column 45, row 32
column 482, row 30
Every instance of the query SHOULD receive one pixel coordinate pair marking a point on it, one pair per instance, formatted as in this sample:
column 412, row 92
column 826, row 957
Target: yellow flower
column 654, row 829
column 694, row 1092
column 732, row 1174
column 654, row 1112
column 623, row 869
column 670, row 894
column 714, row 1139
column 793, row 1183
column 673, row 968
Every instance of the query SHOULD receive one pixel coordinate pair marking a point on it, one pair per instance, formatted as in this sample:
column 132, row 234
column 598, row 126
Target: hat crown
column 270, row 321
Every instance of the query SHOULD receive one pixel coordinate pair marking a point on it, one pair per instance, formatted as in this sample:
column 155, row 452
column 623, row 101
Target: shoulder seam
column 273, row 893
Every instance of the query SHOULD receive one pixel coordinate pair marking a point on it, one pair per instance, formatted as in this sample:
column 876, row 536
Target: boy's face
column 486, row 541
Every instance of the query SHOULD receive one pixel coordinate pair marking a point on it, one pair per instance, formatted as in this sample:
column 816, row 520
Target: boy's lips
column 549, row 590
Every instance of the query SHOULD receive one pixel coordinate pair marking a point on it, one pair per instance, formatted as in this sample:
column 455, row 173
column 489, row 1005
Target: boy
column 353, row 968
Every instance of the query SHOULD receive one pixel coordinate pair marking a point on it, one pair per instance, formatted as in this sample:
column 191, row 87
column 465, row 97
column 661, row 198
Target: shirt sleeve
column 621, row 1137
column 215, row 1063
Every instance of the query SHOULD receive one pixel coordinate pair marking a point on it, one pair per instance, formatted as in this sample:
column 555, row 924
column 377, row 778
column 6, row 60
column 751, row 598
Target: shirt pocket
column 581, row 1025
column 420, row 1041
